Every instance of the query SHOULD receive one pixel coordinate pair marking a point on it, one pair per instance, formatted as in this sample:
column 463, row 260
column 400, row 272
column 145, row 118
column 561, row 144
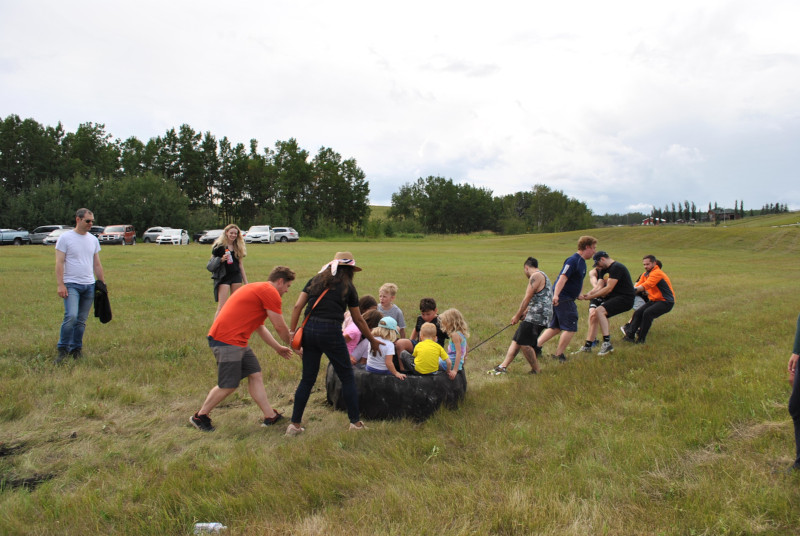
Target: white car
column 258, row 233
column 52, row 238
column 284, row 234
column 177, row 237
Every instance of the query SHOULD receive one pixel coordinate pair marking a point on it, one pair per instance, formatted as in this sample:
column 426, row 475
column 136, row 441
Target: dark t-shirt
column 333, row 305
column 624, row 286
column 575, row 270
column 440, row 335
column 232, row 268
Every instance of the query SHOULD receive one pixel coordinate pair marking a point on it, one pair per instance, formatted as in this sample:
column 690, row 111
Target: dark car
column 210, row 236
column 97, row 230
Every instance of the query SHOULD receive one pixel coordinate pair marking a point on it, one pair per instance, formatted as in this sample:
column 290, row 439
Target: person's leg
column 85, row 302
column 215, row 396
column 601, row 317
column 530, row 356
column 591, row 332
column 652, row 311
column 340, row 358
column 546, row 335
column 794, row 411
column 255, row 386
column 511, row 353
column 563, row 341
column 71, row 304
column 223, row 293
column 636, row 321
column 311, row 359
column 401, row 345
column 407, row 360
column 235, row 287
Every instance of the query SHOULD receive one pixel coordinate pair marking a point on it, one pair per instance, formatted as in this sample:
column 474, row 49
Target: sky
column 622, row 105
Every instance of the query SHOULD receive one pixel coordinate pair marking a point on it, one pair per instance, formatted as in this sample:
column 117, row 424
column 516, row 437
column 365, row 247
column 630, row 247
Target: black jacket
column 102, row 306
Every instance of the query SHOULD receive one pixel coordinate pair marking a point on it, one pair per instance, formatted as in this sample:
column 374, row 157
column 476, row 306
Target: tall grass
column 686, row 435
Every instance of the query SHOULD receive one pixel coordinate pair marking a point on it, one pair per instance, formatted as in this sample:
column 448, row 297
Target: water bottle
column 230, row 258
column 209, row 528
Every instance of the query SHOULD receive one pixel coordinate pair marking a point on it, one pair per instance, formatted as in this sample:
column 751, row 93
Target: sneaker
column 583, row 350
column 628, row 339
column 498, row 370
column 624, row 333
column 294, row 429
column 269, row 421
column 62, row 354
column 606, row 349
column 595, row 343
column 357, row 426
column 201, row 422
column 538, row 351
column 560, row 357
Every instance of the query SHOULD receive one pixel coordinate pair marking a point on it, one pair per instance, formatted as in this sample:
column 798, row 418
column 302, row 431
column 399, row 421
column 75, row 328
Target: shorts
column 234, row 363
column 527, row 334
column 231, row 279
column 565, row 316
column 595, row 302
column 617, row 305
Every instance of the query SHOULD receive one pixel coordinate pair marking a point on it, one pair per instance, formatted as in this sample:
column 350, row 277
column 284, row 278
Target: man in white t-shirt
column 77, row 267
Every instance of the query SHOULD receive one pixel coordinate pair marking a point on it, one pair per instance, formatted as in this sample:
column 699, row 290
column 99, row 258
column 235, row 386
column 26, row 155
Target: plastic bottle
column 230, row 259
column 209, row 528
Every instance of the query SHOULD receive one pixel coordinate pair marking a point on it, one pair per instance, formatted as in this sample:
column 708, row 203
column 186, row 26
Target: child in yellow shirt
column 427, row 353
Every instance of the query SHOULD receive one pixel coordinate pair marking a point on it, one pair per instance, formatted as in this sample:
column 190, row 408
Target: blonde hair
column 388, row 334
column 238, row 247
column 389, row 288
column 452, row 320
column 428, row 330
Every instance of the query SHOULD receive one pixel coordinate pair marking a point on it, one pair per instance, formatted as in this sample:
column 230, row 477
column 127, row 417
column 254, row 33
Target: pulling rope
column 490, row 338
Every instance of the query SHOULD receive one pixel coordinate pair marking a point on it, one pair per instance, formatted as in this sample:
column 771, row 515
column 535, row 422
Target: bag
column 297, row 340
column 214, row 263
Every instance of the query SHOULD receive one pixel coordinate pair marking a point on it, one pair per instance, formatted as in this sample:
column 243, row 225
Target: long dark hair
column 343, row 279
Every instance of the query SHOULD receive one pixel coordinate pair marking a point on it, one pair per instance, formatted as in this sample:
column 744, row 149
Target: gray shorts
column 234, row 363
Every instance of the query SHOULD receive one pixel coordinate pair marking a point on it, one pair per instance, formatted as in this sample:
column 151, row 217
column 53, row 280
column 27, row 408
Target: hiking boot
column 357, row 426
column 498, row 370
column 561, row 358
column 606, row 349
column 269, row 421
column 201, row 422
column 583, row 350
column 294, row 429
column 62, row 354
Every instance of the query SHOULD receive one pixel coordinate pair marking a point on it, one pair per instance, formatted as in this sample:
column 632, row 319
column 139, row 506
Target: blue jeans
column 77, row 305
column 327, row 338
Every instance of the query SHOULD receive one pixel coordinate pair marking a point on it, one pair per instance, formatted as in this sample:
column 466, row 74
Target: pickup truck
column 10, row 236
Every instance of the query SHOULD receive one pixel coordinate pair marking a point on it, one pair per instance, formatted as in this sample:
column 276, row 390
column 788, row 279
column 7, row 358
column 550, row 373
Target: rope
column 490, row 338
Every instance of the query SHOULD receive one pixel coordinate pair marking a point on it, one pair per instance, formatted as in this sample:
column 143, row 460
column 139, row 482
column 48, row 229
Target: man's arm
column 267, row 337
column 562, row 280
column 523, row 307
column 602, row 291
column 98, row 268
column 60, row 259
column 280, row 326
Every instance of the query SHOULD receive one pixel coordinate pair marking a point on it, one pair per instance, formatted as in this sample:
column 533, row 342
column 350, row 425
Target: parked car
column 52, row 238
column 284, row 234
column 41, row 232
column 176, row 237
column 152, row 233
column 210, row 236
column 118, row 234
column 196, row 236
column 10, row 236
column 258, row 233
column 97, row 230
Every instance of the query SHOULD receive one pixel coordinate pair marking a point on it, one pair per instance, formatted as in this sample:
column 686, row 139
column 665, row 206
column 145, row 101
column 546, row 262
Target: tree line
column 183, row 178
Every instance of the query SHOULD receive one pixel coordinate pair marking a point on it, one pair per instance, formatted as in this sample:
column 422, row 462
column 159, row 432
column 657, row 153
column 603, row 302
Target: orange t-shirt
column 244, row 312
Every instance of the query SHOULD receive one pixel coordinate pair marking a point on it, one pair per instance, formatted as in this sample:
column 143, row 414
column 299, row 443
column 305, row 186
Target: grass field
column 686, row 435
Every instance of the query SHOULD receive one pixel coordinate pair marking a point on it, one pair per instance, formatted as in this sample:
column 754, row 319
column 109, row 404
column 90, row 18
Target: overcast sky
column 622, row 105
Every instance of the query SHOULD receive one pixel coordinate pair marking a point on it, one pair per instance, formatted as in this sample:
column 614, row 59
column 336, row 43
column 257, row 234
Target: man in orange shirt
column 661, row 300
column 243, row 314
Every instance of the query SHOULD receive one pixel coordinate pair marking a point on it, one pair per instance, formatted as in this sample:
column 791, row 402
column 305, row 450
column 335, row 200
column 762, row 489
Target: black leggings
column 794, row 411
column 644, row 316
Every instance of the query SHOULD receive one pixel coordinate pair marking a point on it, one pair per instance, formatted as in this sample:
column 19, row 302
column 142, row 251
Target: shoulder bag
column 297, row 340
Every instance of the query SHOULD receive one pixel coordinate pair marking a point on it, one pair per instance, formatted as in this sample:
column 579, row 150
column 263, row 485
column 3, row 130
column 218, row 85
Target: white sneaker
column 583, row 350
column 606, row 349
column 294, row 430
column 357, row 426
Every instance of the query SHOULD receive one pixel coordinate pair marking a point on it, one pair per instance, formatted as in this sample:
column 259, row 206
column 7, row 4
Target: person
column 640, row 298
column 794, row 399
column 533, row 316
column 242, row 315
column 595, row 281
column 427, row 353
column 454, row 324
column 350, row 330
column 660, row 300
column 386, row 306
column 230, row 247
column 323, row 334
column 617, row 294
column 77, row 267
column 428, row 312
column 382, row 362
column 567, row 288
column 362, row 349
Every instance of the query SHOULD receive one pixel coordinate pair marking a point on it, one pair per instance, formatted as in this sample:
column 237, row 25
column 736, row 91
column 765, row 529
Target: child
column 372, row 318
column 455, row 326
column 386, row 306
column 386, row 333
column 427, row 313
column 350, row 330
column 427, row 353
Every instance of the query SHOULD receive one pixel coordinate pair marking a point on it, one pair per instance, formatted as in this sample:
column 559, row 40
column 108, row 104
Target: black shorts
column 231, row 279
column 595, row 302
column 617, row 305
column 527, row 334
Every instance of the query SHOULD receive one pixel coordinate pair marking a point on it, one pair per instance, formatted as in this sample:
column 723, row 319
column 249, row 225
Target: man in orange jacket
column 661, row 300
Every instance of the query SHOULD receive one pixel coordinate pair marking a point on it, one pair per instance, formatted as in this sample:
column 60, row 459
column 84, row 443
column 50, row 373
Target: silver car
column 284, row 234
column 152, row 233
column 40, row 233
column 52, row 238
